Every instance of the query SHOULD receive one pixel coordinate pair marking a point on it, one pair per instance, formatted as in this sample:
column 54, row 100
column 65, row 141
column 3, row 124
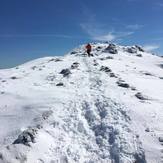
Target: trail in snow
column 109, row 122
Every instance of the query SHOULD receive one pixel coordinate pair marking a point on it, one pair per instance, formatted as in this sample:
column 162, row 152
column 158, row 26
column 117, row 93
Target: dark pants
column 89, row 52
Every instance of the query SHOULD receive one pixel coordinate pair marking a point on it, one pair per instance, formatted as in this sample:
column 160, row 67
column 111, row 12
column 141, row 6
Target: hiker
column 88, row 48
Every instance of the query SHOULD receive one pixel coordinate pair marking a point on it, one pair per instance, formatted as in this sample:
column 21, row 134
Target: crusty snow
column 91, row 116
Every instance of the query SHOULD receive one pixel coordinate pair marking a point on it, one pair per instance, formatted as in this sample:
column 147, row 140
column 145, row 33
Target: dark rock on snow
column 112, row 75
column 139, row 55
column 33, row 67
column 51, row 60
column 133, row 88
column 122, row 83
column 26, row 137
column 105, row 58
column 140, row 96
column 148, row 73
column 60, row 84
column 14, row 77
column 104, row 68
column 111, row 49
column 73, row 52
column 131, row 50
column 65, row 72
column 55, row 60
column 161, row 65
column 109, row 57
column 98, row 48
column 147, row 130
column 3, row 81
column 58, row 60
column 161, row 139
column 140, row 48
column 75, row 65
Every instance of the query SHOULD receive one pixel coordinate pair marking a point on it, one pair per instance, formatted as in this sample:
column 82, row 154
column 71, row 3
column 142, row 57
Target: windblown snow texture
column 77, row 109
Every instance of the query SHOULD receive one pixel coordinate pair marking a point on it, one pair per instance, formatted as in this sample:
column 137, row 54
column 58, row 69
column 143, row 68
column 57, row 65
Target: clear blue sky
column 35, row 28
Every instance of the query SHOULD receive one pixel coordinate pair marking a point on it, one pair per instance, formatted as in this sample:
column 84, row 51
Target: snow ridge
column 79, row 109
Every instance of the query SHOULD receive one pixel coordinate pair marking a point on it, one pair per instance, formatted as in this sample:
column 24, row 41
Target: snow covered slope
column 73, row 109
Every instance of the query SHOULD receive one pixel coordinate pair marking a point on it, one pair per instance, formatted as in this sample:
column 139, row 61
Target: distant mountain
column 107, row 108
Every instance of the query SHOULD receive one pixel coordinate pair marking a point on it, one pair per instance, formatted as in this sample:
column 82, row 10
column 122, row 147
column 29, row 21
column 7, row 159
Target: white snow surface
column 90, row 119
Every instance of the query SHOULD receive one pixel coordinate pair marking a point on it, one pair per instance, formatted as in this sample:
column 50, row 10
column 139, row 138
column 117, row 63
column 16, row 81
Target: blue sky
column 35, row 28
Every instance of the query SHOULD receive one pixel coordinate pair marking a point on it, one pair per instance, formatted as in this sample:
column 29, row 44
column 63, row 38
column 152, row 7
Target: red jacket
column 88, row 47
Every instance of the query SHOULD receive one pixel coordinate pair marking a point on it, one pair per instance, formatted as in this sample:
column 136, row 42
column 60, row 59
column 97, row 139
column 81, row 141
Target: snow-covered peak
column 99, row 48
column 105, row 109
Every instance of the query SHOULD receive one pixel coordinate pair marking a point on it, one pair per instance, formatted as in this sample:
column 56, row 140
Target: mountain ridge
column 106, row 108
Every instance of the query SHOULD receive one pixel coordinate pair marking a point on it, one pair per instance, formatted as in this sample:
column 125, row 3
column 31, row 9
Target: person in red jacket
column 89, row 49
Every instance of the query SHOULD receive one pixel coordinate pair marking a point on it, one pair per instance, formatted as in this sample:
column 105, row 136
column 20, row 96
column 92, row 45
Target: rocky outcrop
column 111, row 49
column 65, row 72
column 26, row 137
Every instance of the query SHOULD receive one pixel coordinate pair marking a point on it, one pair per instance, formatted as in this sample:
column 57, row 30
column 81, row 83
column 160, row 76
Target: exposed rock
column 73, row 52
column 140, row 96
column 140, row 48
column 33, row 67
column 122, row 83
column 13, row 77
column 95, row 64
column 3, row 81
column 75, row 65
column 160, row 139
column 161, row 65
column 1, row 156
column 133, row 88
column 58, row 60
column 148, row 73
column 98, row 48
column 139, row 55
column 131, row 50
column 54, row 60
column 51, row 60
column 109, row 57
column 147, row 130
column 26, row 137
column 113, row 75
column 105, row 58
column 65, row 72
column 102, row 59
column 161, row 77
column 104, row 68
column 60, row 84
column 111, row 49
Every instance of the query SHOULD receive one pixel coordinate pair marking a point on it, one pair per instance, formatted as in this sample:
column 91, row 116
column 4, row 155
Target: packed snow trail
column 76, row 116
